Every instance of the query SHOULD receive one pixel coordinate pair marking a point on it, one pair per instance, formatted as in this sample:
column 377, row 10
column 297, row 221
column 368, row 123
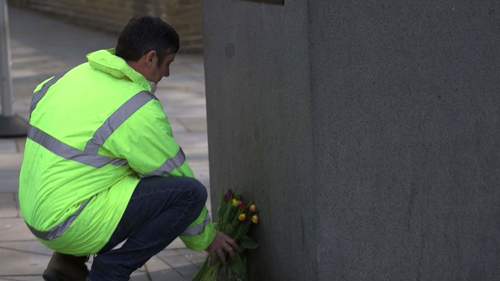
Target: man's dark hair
column 144, row 34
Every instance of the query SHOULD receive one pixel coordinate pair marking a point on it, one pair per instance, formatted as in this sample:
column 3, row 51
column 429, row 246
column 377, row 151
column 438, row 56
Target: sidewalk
column 42, row 46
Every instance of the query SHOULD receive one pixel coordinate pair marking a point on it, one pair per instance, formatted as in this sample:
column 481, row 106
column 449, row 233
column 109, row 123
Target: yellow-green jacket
column 94, row 132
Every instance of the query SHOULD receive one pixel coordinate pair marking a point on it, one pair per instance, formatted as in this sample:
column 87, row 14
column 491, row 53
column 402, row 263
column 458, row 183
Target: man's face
column 162, row 69
column 154, row 70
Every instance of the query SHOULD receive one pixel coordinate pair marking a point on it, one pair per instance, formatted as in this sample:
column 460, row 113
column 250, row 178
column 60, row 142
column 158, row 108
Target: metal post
column 5, row 61
column 10, row 124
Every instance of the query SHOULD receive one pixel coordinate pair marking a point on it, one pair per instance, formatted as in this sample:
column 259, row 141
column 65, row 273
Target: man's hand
column 222, row 245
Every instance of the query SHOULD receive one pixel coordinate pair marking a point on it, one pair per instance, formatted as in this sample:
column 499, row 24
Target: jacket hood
column 106, row 61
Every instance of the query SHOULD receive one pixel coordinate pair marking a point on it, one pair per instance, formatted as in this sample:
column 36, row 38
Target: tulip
column 242, row 217
column 253, row 208
column 255, row 219
column 228, row 196
column 236, row 202
column 242, row 206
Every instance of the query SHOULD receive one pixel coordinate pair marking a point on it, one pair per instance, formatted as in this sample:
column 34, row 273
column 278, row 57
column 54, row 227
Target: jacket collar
column 106, row 61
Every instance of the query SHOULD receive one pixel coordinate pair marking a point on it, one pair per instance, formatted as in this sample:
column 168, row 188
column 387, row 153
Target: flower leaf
column 238, row 266
column 248, row 243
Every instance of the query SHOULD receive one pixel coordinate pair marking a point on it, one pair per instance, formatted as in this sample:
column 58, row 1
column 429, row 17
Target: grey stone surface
column 367, row 131
column 178, row 264
column 260, row 127
column 166, row 275
column 14, row 229
column 21, row 278
column 21, row 262
column 140, row 276
column 194, row 124
column 174, row 260
column 9, row 180
column 8, row 146
column 10, row 161
column 29, row 246
column 8, row 205
column 188, row 271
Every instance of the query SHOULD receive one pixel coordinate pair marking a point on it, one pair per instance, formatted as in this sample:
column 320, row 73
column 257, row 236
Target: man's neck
column 138, row 67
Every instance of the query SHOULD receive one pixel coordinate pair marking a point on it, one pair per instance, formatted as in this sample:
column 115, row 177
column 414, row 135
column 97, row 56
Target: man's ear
column 151, row 58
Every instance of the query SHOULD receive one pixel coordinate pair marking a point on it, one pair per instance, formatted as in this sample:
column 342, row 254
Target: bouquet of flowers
column 234, row 218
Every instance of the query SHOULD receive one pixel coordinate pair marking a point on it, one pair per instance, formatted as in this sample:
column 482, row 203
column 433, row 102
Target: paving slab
column 175, row 264
column 20, row 143
column 187, row 111
column 21, row 278
column 192, row 99
column 156, row 264
column 188, row 271
column 159, row 270
column 14, row 229
column 8, row 205
column 19, row 262
column 196, row 153
column 174, row 261
column 140, row 276
column 191, row 139
column 176, row 244
column 8, row 146
column 10, row 161
column 32, row 246
column 171, row 93
column 166, row 275
column 177, row 127
column 194, row 124
column 197, row 260
column 194, row 257
column 18, row 50
column 9, row 180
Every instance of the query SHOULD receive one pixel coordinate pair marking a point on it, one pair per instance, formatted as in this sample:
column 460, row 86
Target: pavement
column 42, row 46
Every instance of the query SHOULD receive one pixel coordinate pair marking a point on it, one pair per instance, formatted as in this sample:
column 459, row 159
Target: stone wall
column 112, row 15
column 367, row 131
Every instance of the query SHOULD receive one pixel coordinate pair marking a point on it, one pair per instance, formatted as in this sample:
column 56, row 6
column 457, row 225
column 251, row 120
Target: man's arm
column 146, row 141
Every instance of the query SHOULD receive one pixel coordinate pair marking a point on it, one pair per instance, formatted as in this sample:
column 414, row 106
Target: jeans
column 160, row 209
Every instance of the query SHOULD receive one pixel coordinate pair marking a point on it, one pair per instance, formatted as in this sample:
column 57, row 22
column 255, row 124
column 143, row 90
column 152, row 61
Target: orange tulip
column 253, row 208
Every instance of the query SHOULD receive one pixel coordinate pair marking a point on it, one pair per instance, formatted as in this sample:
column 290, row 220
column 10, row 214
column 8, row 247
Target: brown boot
column 63, row 267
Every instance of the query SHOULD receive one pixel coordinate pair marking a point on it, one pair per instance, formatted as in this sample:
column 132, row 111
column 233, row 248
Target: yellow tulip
column 236, row 202
column 255, row 219
column 242, row 217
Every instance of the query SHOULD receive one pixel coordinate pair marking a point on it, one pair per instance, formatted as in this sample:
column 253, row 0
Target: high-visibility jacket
column 94, row 132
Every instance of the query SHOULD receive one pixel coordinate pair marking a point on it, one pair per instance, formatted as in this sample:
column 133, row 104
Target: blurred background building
column 112, row 15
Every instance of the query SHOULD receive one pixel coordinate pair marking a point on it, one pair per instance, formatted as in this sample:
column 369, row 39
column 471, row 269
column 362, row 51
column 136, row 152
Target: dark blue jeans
column 161, row 209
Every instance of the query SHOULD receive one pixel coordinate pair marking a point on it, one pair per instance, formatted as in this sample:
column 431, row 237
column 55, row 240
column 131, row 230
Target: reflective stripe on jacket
column 94, row 132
